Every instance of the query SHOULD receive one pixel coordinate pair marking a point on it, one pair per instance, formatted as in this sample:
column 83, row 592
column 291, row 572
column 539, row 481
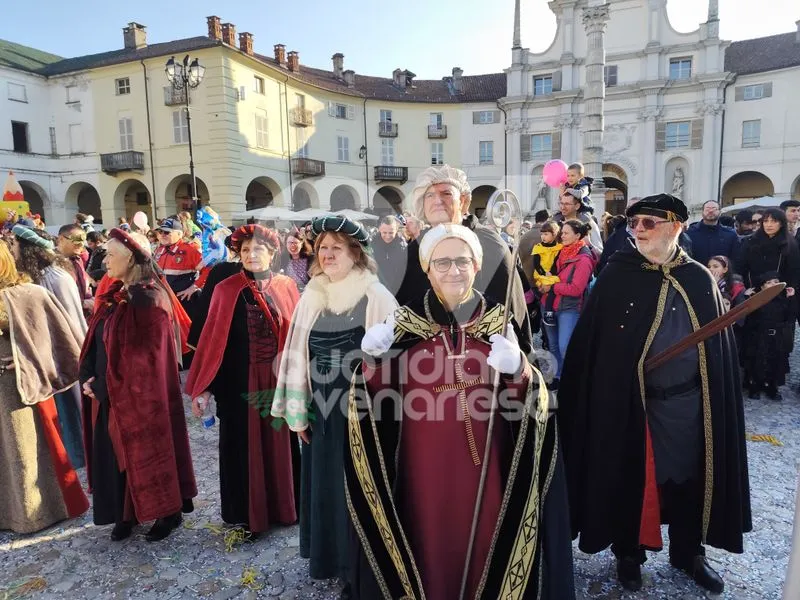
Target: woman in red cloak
column 245, row 331
column 137, row 448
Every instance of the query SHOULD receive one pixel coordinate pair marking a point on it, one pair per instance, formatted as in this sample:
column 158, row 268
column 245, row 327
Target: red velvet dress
column 447, row 392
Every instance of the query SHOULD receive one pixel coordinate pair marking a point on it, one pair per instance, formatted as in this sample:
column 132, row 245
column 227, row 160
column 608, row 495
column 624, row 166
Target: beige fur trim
column 340, row 296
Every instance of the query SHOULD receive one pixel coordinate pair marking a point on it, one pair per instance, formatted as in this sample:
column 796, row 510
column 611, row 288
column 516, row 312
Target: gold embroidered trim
column 376, row 570
column 541, row 425
column 407, row 321
column 707, row 425
column 461, row 385
column 490, row 322
column 369, row 489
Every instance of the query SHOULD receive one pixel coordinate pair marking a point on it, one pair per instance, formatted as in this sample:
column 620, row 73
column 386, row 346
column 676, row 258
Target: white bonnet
column 442, row 232
column 432, row 176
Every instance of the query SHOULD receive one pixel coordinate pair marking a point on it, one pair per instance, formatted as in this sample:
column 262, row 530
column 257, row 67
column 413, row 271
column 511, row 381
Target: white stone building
column 48, row 137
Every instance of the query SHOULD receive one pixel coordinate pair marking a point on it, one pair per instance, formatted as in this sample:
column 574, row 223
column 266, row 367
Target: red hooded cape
column 263, row 440
column 147, row 424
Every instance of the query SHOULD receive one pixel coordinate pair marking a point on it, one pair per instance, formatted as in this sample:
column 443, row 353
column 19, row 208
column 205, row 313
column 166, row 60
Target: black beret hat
column 660, row 205
column 340, row 224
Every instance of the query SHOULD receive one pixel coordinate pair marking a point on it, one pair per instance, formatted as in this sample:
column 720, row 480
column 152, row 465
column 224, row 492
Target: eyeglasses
column 647, row 222
column 443, row 265
column 756, row 221
column 75, row 239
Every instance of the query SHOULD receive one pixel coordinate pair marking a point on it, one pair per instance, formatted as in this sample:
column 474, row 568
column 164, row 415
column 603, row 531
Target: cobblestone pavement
column 77, row 560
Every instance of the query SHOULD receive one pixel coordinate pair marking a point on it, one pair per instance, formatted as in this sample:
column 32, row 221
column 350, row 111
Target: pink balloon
column 555, row 173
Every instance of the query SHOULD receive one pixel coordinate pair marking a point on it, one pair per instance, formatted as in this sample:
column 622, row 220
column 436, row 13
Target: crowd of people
column 385, row 388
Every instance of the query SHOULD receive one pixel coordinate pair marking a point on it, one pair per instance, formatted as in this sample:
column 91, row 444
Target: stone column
column 595, row 18
column 712, row 119
column 648, row 183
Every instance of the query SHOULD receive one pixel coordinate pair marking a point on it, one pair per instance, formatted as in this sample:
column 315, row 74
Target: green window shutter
column 661, row 136
column 697, row 133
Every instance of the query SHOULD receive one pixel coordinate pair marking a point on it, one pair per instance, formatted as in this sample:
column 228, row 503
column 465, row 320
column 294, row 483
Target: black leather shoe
column 702, row 574
column 188, row 506
column 163, row 527
column 629, row 573
column 121, row 531
column 754, row 393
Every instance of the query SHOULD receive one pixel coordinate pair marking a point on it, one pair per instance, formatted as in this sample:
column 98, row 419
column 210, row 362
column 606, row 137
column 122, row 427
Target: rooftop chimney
column 229, row 34
column 294, row 61
column 214, row 28
column 797, row 35
column 349, row 77
column 246, row 43
column 458, row 83
column 280, row 54
column 409, row 78
column 397, row 77
column 135, row 36
column 338, row 65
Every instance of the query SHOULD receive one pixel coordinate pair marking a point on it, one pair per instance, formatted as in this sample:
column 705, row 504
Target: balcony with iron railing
column 174, row 97
column 301, row 117
column 437, row 131
column 117, row 162
column 308, row 167
column 387, row 129
column 387, row 173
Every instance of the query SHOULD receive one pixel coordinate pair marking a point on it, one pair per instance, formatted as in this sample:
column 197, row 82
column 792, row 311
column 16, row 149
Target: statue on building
column 677, row 182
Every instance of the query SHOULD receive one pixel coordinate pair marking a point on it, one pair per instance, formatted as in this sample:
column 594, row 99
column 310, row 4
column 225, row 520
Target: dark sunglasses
column 442, row 265
column 756, row 221
column 648, row 223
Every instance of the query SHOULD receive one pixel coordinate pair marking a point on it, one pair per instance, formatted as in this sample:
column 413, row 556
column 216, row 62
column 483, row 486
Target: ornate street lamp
column 186, row 76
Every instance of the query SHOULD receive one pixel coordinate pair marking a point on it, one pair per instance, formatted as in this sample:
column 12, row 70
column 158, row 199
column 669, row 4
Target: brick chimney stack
column 294, row 61
column 246, row 43
column 134, row 36
column 338, row 65
column 214, row 28
column 229, row 34
column 349, row 77
column 280, row 54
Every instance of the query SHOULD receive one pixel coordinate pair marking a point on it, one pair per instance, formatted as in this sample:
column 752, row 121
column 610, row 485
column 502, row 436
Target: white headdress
column 432, row 176
column 441, row 232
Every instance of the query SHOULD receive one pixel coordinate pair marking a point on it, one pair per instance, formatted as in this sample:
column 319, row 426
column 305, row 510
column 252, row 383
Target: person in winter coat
column 562, row 301
column 768, row 342
column 709, row 238
column 732, row 289
column 770, row 248
column 390, row 252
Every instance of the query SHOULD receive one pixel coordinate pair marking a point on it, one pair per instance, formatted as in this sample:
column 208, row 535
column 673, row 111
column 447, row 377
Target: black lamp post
column 187, row 76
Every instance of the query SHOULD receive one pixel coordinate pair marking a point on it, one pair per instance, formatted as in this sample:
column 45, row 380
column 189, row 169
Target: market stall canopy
column 762, row 203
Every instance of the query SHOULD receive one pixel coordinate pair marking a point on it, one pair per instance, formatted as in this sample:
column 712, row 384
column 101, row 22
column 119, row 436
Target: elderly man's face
column 452, row 269
column 442, row 203
column 657, row 240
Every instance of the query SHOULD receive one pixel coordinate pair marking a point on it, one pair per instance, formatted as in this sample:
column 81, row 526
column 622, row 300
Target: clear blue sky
column 428, row 37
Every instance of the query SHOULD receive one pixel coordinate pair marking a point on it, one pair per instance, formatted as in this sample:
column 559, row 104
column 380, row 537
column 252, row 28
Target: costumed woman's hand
column 305, row 435
column 789, row 292
column 188, row 292
column 200, row 402
column 7, row 364
column 379, row 338
column 87, row 388
column 505, row 356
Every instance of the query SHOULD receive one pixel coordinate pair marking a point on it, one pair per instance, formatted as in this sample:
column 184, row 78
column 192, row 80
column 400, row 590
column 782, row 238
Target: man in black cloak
column 663, row 446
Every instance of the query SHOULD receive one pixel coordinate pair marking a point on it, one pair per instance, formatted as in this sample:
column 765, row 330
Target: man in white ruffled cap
column 436, row 359
column 443, row 195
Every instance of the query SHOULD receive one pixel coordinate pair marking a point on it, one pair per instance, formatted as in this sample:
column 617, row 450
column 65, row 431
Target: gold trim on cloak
column 668, row 280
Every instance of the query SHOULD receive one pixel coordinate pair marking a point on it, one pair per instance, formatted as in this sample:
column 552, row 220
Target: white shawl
column 293, row 389
column 63, row 287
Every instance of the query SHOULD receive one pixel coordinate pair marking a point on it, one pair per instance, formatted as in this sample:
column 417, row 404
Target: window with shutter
column 678, row 134
column 486, row 153
column 75, row 138
column 556, row 143
column 541, row 146
column 332, row 109
column 343, row 149
column 661, row 137
column 16, row 92
column 525, row 147
column 680, row 68
column 610, row 75
column 437, row 153
column 125, row 133
column 351, row 112
column 262, row 137
column 768, row 89
column 697, row 133
column 180, row 127
column 543, row 85
column 72, row 94
column 123, row 86
column 496, row 116
column 557, row 78
column 53, row 145
column 751, row 134
column 387, row 152
column 302, row 143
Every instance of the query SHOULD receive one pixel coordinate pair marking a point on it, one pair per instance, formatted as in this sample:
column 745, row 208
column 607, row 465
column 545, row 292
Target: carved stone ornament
column 567, row 122
column 710, row 108
column 595, row 15
column 651, row 113
column 618, row 138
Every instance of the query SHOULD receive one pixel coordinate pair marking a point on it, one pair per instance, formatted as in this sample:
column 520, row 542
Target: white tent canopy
column 355, row 215
column 763, row 202
column 268, row 213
